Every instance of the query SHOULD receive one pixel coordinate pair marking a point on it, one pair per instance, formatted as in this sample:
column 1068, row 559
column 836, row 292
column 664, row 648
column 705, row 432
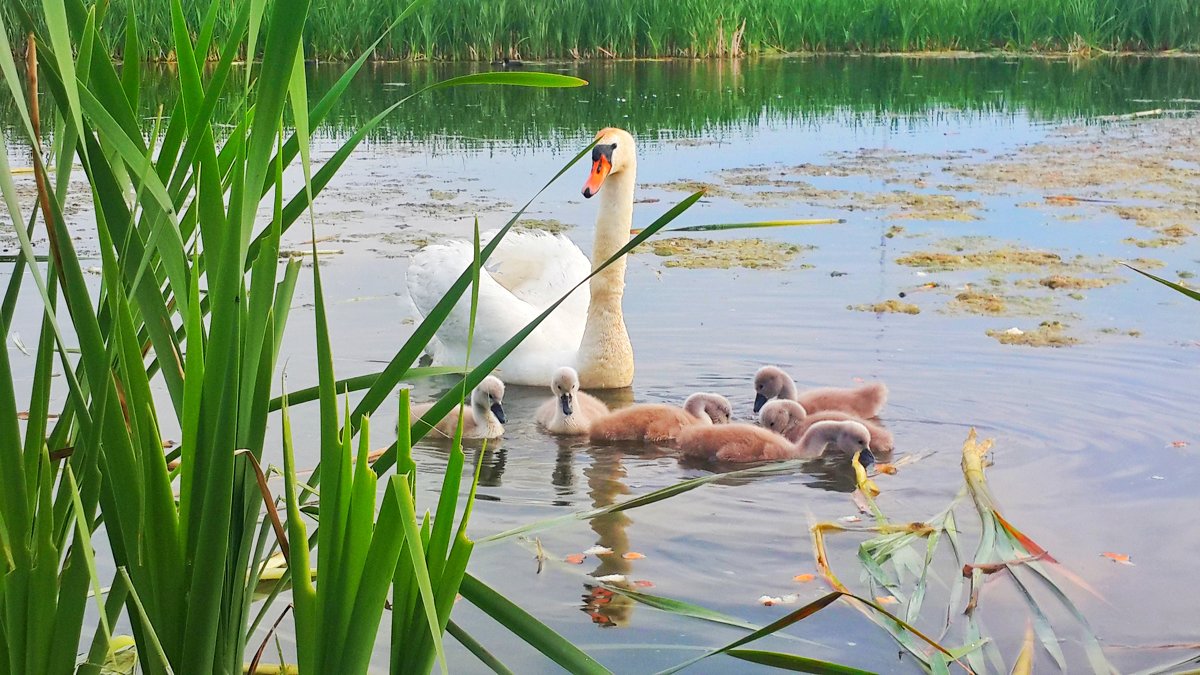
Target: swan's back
column 512, row 293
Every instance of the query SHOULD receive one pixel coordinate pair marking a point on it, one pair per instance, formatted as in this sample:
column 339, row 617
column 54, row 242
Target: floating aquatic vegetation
column 887, row 306
column 1062, row 281
column 695, row 253
column 1047, row 334
column 1158, row 242
column 551, row 225
column 1005, row 259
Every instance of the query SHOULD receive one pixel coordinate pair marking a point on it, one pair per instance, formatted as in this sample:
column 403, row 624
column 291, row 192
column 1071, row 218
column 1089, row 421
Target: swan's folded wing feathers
column 539, row 267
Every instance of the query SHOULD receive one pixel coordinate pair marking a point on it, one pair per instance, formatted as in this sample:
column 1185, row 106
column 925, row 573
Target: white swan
column 528, row 271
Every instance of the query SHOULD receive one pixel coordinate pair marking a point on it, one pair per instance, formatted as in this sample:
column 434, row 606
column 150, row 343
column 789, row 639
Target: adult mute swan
column 528, row 271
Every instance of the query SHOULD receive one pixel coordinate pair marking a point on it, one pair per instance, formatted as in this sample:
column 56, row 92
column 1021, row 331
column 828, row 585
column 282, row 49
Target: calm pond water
column 1095, row 442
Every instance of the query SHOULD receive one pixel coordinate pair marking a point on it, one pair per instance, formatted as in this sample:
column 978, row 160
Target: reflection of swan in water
column 604, row 480
column 529, row 271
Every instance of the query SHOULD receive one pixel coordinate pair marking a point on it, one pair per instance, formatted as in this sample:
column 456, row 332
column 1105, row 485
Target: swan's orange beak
column 602, row 163
column 600, row 168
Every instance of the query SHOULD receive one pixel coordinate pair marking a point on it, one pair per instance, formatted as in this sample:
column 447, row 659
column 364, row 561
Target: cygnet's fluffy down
column 569, row 411
column 484, row 418
column 863, row 402
column 658, row 422
column 749, row 443
column 734, row 443
column 790, row 420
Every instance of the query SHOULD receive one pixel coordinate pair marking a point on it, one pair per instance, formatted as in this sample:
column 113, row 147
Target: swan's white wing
column 499, row 316
column 539, row 267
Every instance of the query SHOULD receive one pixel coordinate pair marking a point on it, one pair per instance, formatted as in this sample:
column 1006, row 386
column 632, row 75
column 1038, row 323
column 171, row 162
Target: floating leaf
column 1118, row 558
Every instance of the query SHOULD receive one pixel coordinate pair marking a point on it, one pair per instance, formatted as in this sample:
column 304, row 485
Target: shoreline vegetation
column 475, row 30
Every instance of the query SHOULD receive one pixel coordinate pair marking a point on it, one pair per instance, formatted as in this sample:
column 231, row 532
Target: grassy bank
column 489, row 29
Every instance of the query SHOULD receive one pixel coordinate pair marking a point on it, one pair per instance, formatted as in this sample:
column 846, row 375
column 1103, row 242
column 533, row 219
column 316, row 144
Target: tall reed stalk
column 487, row 29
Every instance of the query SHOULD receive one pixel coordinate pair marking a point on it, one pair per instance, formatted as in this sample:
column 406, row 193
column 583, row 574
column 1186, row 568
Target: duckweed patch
column 887, row 306
column 551, row 225
column 1047, row 334
column 992, row 303
column 1005, row 259
column 1062, row 281
column 1158, row 242
column 696, row 253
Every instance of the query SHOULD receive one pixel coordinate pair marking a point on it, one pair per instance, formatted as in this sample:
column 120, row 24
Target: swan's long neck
column 605, row 354
column 695, row 407
column 816, row 438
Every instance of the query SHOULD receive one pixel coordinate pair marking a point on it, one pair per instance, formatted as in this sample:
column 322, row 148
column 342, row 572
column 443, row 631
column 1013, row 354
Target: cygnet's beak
column 759, row 402
column 565, row 399
column 866, row 457
column 498, row 411
column 601, row 166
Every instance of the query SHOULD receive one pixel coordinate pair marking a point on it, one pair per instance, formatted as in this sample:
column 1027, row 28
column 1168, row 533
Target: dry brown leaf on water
column 804, row 578
column 633, row 555
column 1118, row 558
column 575, row 558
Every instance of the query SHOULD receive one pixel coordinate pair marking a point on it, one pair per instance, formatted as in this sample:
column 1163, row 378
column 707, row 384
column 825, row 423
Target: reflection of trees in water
column 708, row 97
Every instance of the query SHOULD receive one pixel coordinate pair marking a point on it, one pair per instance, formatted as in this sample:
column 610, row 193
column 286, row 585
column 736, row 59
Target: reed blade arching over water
column 484, row 30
